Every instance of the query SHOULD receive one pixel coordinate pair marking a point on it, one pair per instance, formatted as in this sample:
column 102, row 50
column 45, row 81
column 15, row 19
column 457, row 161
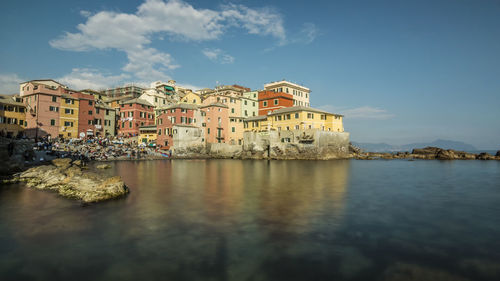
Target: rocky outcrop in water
column 427, row 153
column 68, row 179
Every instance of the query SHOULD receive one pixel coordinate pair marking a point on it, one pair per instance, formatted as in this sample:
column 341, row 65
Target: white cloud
column 218, row 55
column 85, row 14
column 132, row 33
column 363, row 112
column 85, row 78
column 9, row 83
column 308, row 33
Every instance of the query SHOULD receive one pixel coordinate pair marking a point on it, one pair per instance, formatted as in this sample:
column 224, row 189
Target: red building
column 135, row 113
column 216, row 122
column 269, row 101
column 181, row 113
column 86, row 114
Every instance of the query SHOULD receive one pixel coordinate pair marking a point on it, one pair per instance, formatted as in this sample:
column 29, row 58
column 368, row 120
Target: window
column 52, row 122
column 68, row 124
column 275, row 102
column 54, row 98
column 297, row 127
column 288, row 117
column 208, row 131
column 90, row 112
column 107, row 111
column 323, row 116
column 130, row 124
column 253, row 103
column 245, row 102
column 246, row 113
column 159, row 132
column 296, row 116
column 90, row 102
column 97, row 111
column 233, row 129
column 310, row 116
column 90, row 122
column 68, row 111
column 68, row 101
column 264, row 103
column 123, row 125
column 232, row 110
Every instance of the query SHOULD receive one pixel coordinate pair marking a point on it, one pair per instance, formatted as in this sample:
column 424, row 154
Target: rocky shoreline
column 427, row 153
column 71, row 180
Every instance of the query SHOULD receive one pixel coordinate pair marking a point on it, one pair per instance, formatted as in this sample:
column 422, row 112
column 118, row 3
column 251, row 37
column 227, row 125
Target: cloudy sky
column 400, row 71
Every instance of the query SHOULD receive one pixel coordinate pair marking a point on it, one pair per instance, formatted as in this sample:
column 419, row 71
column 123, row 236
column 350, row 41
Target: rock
column 498, row 154
column 445, row 154
column 103, row 166
column 484, row 156
column 426, row 151
column 73, row 182
column 62, row 163
column 77, row 163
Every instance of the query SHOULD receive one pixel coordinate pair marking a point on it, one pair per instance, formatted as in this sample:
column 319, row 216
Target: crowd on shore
column 97, row 149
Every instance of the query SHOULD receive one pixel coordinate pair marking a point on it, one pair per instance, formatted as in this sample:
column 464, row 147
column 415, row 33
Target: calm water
column 260, row 220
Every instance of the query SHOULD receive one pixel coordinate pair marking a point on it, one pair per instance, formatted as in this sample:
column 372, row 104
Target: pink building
column 216, row 122
column 42, row 105
column 135, row 113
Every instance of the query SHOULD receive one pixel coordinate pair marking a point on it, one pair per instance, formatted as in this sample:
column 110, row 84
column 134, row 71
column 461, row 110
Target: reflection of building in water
column 302, row 197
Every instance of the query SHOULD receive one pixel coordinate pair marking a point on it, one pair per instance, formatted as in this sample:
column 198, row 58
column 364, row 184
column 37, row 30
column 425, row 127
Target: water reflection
column 259, row 220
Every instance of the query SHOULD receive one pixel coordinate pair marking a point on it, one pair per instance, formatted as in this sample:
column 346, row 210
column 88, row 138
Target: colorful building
column 135, row 113
column 216, row 117
column 301, row 94
column 270, row 101
column 182, row 113
column 86, row 114
column 250, row 104
column 12, row 116
column 148, row 135
column 68, row 116
column 42, row 100
column 192, row 98
column 296, row 118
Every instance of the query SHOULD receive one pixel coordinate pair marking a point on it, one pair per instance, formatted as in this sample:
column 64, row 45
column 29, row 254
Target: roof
column 301, row 108
column 216, row 104
column 180, row 105
column 184, row 125
column 9, row 100
column 66, row 96
column 41, row 80
column 285, row 83
column 256, row 118
column 137, row 100
column 103, row 105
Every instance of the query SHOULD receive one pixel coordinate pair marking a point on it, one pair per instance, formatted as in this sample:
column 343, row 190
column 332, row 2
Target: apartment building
column 176, row 114
column 12, row 116
column 68, row 116
column 135, row 113
column 296, row 118
column 270, row 101
column 216, row 122
column 301, row 94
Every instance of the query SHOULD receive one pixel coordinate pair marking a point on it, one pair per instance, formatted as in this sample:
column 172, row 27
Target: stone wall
column 296, row 144
column 22, row 150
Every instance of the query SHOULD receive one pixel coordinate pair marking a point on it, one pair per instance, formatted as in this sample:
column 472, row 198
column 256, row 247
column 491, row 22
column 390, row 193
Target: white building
column 300, row 93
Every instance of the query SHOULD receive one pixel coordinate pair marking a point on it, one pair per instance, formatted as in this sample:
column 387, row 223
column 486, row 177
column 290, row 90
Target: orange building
column 270, row 101
column 216, row 118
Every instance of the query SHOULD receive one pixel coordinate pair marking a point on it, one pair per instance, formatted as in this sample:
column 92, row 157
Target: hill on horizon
column 445, row 144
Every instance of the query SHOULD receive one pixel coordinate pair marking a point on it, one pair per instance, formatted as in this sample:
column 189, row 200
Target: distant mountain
column 384, row 147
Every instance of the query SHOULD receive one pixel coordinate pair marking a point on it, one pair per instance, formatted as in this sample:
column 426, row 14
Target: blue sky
column 400, row 71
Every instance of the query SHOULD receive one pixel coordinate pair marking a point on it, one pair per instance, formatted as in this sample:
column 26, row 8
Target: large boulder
column 69, row 180
column 498, row 154
column 426, row 150
column 484, row 156
column 445, row 155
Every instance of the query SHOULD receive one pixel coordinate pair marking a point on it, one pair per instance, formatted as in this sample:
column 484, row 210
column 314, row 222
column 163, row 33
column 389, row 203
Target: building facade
column 270, row 101
column 216, row 122
column 176, row 114
column 68, row 117
column 12, row 116
column 296, row 118
column 134, row 114
column 301, row 94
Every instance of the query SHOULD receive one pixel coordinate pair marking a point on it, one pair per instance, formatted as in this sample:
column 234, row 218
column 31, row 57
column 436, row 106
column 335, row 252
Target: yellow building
column 148, row 135
column 191, row 98
column 12, row 116
column 296, row 118
column 68, row 117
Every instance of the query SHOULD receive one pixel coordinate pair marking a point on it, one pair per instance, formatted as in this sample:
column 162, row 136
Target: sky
column 400, row 71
